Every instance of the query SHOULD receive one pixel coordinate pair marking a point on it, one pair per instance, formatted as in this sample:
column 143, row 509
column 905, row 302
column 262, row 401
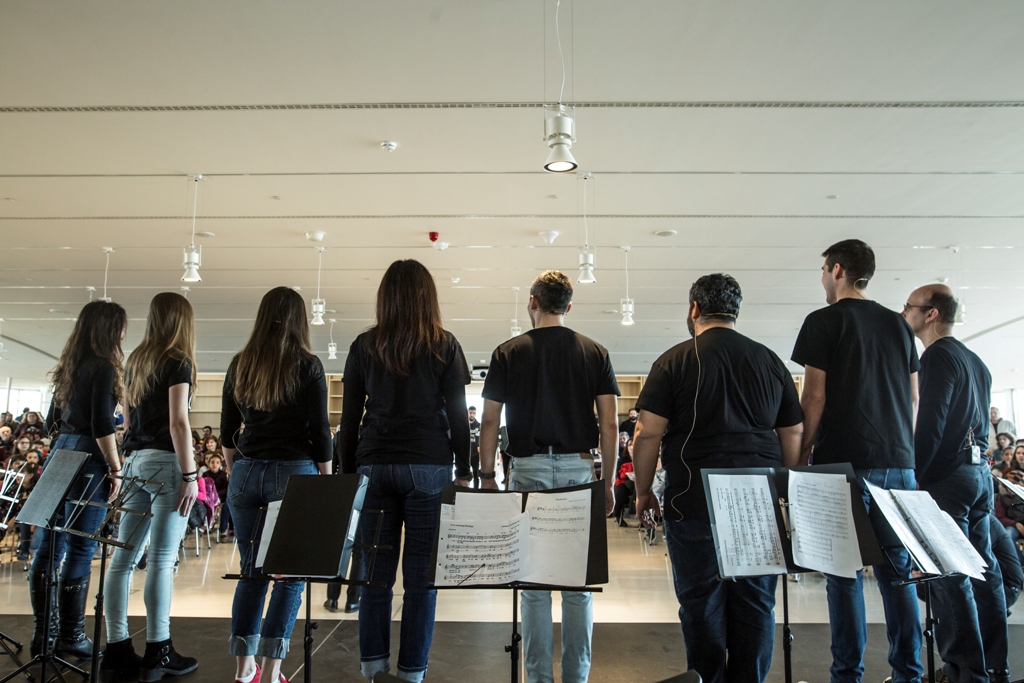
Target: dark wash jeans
column 89, row 485
column 728, row 626
column 409, row 495
column 846, row 598
column 254, row 483
column 972, row 635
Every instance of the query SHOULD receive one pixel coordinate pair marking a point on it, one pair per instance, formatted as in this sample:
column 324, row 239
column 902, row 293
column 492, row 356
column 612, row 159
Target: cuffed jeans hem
column 275, row 648
column 371, row 667
column 243, row 646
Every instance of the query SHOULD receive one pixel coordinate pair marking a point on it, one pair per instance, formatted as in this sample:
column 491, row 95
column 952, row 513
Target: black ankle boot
column 72, row 595
column 37, row 591
column 119, row 661
column 161, row 658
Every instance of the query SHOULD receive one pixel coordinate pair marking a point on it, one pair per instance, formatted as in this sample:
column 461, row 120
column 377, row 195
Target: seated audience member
column 1004, row 440
column 215, row 471
column 1009, row 561
column 1009, row 511
column 31, row 426
column 207, row 432
column 1017, row 459
column 624, row 486
column 7, row 442
column 22, row 447
column 6, row 419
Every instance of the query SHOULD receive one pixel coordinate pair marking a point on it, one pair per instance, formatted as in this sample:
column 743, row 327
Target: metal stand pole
column 929, row 630
column 307, row 643
column 787, row 631
column 513, row 648
column 97, row 626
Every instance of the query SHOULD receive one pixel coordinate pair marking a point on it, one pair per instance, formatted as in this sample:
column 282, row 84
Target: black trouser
column 623, row 495
column 24, row 539
column 506, row 460
column 352, row 595
column 474, row 464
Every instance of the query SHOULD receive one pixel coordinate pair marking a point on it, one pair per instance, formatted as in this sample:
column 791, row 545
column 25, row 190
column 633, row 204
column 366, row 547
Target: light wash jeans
column 165, row 529
column 539, row 473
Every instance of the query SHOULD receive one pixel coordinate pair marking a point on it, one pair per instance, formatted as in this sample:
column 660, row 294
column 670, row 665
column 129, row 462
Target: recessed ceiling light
column 276, row 196
column 297, row 289
column 57, row 310
column 483, row 360
column 10, row 199
column 552, row 196
column 316, row 235
column 666, row 233
column 612, row 311
column 832, row 196
column 331, row 310
column 205, row 233
column 455, row 280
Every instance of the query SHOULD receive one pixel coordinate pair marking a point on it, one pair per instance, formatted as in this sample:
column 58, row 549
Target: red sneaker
column 255, row 679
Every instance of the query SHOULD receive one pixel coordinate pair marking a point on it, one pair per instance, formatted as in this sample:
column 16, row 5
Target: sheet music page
column 559, row 537
column 940, row 534
column 1012, row 488
column 269, row 522
column 493, row 506
column 748, row 537
column 821, row 521
column 883, row 499
column 482, row 552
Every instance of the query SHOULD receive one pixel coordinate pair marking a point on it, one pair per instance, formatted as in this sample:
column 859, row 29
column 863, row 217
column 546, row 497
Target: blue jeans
column 165, row 529
column 972, row 634
column 728, row 626
column 539, row 473
column 90, row 485
column 846, row 599
column 409, row 495
column 254, row 483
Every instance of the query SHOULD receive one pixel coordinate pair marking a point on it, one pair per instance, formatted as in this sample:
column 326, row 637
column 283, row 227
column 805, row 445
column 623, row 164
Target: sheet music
column 1012, row 488
column 886, row 504
column 821, row 521
column 492, row 506
column 482, row 552
column 940, row 534
column 559, row 537
column 746, row 531
column 269, row 522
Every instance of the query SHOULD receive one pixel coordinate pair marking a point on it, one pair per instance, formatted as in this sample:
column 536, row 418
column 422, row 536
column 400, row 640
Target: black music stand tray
column 310, row 554
column 42, row 508
column 597, row 560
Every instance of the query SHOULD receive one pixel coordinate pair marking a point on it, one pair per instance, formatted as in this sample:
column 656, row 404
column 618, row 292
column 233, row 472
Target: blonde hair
column 170, row 335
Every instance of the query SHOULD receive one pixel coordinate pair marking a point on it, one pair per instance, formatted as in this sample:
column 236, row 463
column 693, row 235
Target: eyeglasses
column 907, row 307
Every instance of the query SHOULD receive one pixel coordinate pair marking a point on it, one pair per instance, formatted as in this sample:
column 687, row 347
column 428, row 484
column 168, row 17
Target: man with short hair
column 859, row 397
column 474, row 446
column 720, row 400
column 207, row 432
column 548, row 380
column 948, row 444
column 629, row 424
column 997, row 425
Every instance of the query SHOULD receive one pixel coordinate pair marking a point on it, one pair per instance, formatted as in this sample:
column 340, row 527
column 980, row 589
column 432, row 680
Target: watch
column 487, row 475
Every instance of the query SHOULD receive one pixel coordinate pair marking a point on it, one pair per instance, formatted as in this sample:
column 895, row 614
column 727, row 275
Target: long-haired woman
column 410, row 375
column 86, row 389
column 277, row 387
column 159, row 376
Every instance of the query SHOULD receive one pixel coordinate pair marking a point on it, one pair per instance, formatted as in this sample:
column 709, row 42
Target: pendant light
column 106, row 272
column 516, row 330
column 956, row 263
column 193, row 258
column 559, row 120
column 332, row 348
column 587, row 255
column 319, row 305
column 1, row 338
column 626, row 305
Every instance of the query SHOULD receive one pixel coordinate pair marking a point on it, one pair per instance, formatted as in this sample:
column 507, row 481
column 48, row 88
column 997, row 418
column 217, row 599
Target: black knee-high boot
column 71, row 639
column 37, row 591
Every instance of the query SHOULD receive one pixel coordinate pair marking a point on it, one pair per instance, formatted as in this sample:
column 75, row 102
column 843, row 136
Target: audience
column 215, row 471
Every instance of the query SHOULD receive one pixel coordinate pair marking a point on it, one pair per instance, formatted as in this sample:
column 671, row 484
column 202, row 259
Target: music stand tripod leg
column 6, row 642
column 787, row 631
column 307, row 642
column 513, row 648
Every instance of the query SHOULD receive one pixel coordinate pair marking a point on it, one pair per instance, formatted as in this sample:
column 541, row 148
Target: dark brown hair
column 408, row 317
column 553, row 291
column 97, row 332
column 856, row 258
column 266, row 371
column 170, row 334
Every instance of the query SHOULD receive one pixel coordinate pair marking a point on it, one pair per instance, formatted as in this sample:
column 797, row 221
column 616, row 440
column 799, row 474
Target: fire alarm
column 433, row 236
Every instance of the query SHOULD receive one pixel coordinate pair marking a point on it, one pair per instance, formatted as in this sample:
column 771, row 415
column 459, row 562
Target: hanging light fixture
column 955, row 264
column 332, row 348
column 587, row 255
column 559, row 120
column 1, row 338
column 193, row 258
column 626, row 305
column 319, row 305
column 516, row 330
column 106, row 272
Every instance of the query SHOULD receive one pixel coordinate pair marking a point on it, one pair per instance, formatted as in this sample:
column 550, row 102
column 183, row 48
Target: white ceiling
column 912, row 114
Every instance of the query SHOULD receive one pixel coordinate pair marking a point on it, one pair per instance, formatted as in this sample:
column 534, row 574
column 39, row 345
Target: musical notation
column 748, row 537
column 482, row 551
column 559, row 536
column 823, row 532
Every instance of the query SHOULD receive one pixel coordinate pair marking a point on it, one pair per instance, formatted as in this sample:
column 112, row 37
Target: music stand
column 9, row 492
column 43, row 508
column 300, row 551
column 597, row 558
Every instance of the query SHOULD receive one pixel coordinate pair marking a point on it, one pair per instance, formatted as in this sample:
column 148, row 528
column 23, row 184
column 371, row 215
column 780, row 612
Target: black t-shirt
column 955, row 389
column 548, row 379
column 745, row 393
column 149, row 423
column 406, row 420
column 628, row 426
column 474, row 434
column 295, row 430
column 868, row 354
column 90, row 409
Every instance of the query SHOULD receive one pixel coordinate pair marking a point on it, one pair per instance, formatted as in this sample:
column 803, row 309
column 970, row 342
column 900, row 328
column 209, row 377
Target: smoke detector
column 316, row 236
column 389, row 145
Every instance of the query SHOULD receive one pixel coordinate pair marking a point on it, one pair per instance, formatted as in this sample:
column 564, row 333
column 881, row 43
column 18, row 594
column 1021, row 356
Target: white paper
column 940, row 534
column 887, row 506
column 485, row 552
column 559, row 537
column 748, row 537
column 1012, row 488
column 269, row 522
column 821, row 521
column 484, row 506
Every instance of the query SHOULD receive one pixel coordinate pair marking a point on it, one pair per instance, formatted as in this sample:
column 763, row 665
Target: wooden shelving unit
column 629, row 387
column 206, row 401
column 335, row 393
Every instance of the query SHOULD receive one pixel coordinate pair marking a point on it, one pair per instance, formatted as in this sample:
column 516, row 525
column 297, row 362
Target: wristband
column 190, row 477
column 487, row 475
